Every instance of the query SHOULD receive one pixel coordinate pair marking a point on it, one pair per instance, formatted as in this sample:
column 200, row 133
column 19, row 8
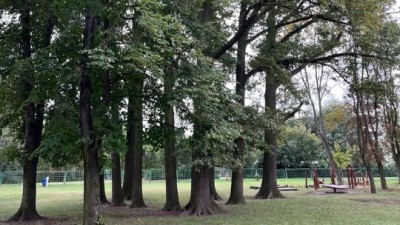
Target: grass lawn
column 304, row 206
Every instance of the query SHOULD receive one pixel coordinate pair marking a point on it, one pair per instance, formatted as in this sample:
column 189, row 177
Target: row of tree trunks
column 391, row 115
column 363, row 131
column 378, row 155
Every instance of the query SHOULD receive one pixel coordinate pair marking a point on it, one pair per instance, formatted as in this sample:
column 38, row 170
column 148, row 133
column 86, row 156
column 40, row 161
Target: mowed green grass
column 304, row 206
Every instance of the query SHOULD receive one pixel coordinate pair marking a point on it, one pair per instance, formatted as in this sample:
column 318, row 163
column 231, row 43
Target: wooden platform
column 335, row 187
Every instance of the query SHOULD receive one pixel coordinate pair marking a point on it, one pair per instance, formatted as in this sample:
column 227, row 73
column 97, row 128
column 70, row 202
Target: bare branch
column 291, row 114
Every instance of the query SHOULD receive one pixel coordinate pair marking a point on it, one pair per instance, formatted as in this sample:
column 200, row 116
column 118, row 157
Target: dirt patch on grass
column 126, row 212
column 109, row 213
column 379, row 201
column 329, row 191
column 48, row 221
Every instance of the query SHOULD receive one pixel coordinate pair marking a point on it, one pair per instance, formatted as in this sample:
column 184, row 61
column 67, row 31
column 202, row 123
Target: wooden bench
column 335, row 187
column 280, row 188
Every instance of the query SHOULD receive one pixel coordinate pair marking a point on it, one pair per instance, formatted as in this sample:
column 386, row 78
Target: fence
column 15, row 177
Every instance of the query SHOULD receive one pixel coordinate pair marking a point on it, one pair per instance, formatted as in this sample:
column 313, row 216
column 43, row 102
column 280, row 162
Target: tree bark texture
column 213, row 190
column 375, row 122
column 269, row 186
column 363, row 133
column 137, row 104
column 382, row 176
column 91, row 212
column 117, row 195
column 201, row 201
column 33, row 120
column 172, row 197
column 236, row 194
column 391, row 115
column 396, row 158
column 128, row 168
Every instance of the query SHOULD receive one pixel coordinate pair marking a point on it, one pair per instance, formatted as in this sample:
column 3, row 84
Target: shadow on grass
column 46, row 221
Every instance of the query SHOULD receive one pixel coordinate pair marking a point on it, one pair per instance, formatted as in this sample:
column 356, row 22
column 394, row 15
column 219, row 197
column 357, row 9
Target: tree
column 316, row 88
column 201, row 201
column 298, row 147
column 389, row 46
column 359, row 75
column 172, row 199
column 21, row 76
column 91, row 213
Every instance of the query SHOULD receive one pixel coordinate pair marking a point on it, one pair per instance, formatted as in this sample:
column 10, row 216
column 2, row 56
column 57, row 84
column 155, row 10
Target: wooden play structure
column 354, row 179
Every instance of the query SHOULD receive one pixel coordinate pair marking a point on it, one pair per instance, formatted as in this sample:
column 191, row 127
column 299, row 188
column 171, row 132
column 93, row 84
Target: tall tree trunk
column 91, row 212
column 236, row 194
column 172, row 197
column 377, row 152
column 390, row 115
column 117, row 195
column 382, row 177
column 269, row 186
column 103, row 197
column 396, row 159
column 370, row 175
column 318, row 118
column 128, row 169
column 213, row 190
column 363, row 133
column 33, row 120
column 201, row 201
column 137, row 193
column 27, row 209
column 33, row 134
column 104, row 104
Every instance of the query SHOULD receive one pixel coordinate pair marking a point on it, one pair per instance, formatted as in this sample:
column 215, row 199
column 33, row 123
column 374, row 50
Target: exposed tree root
column 172, row 207
column 118, row 204
column 138, row 204
column 273, row 194
column 236, row 200
column 215, row 196
column 104, row 201
column 211, row 208
column 26, row 215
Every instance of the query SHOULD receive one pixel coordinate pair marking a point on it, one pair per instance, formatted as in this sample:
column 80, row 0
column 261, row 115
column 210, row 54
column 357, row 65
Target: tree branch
column 291, row 114
column 290, row 61
column 297, row 30
column 247, row 25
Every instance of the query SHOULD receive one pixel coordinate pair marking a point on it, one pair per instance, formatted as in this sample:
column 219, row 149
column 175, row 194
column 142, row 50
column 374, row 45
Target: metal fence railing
column 15, row 177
